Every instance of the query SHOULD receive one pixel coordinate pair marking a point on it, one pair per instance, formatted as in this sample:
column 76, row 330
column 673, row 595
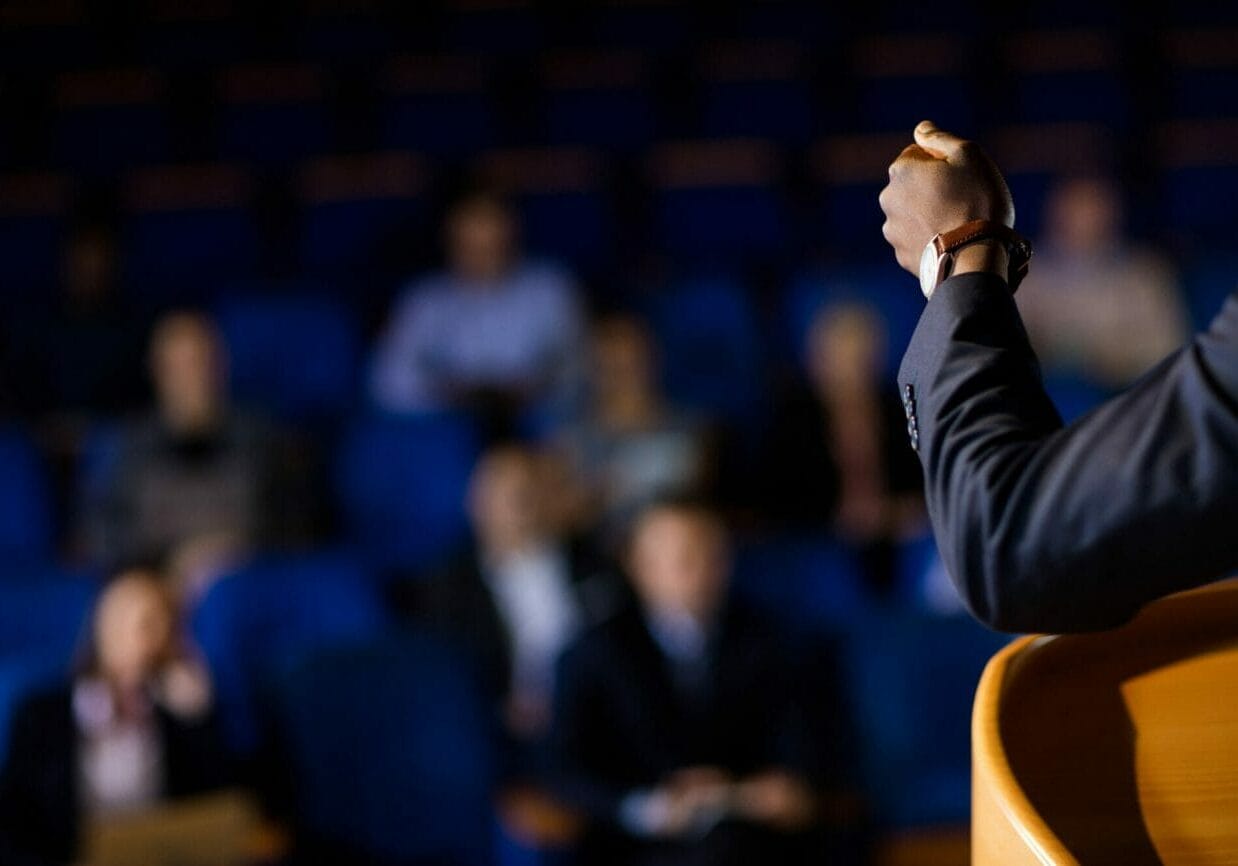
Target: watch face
column 929, row 268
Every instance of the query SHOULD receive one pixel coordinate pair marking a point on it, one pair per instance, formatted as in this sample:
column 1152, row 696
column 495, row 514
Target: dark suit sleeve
column 584, row 750
column 1058, row 529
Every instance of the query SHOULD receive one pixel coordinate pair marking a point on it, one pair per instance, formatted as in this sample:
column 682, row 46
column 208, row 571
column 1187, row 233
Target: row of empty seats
column 738, row 202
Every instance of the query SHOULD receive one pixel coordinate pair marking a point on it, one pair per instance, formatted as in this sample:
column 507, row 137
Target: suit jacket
column 622, row 725
column 1052, row 528
column 39, row 821
column 801, row 476
column 458, row 604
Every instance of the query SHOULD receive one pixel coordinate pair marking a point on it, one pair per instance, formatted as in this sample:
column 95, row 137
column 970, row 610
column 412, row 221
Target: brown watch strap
column 1018, row 248
column 977, row 230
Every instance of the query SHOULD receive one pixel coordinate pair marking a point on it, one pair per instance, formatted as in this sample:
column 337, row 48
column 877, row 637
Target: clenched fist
column 936, row 185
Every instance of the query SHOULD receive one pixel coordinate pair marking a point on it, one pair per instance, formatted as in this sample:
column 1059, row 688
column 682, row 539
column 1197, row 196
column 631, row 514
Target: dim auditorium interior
column 259, row 198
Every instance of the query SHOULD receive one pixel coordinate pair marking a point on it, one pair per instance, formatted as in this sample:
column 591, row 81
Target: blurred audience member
column 631, row 446
column 1096, row 306
column 682, row 727
column 520, row 594
column 134, row 728
column 197, row 483
column 493, row 330
column 838, row 456
column 84, row 358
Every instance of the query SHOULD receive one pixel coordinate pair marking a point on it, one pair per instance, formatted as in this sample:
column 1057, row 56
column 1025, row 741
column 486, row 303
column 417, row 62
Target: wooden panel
column 1186, row 756
column 1120, row 747
column 936, row 846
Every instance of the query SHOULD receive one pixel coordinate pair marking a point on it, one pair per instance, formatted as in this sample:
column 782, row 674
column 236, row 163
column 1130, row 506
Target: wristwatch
column 938, row 259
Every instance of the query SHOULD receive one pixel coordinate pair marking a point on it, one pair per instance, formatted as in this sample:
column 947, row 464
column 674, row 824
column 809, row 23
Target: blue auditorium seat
column 1063, row 75
column 852, row 171
column 573, row 226
column 440, row 123
column 758, row 89
column 256, row 622
column 781, row 110
column 885, row 288
column 1206, row 92
column 26, row 530
column 922, row 583
column 355, row 236
column 1074, row 396
column 1030, row 190
column 188, row 231
column 294, row 356
column 43, row 610
column 402, row 483
column 391, row 752
column 30, row 247
column 898, row 103
column 274, row 134
column 615, row 118
column 813, row 583
column 1097, row 96
column 1208, row 282
column 97, row 140
column 274, row 116
column 441, row 106
column 721, row 223
column 912, row 679
column 1199, row 201
column 710, row 345
column 182, row 255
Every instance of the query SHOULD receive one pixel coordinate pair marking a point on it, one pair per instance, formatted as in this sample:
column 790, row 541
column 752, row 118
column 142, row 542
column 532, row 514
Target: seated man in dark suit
column 133, row 728
column 1045, row 527
column 518, row 595
column 683, row 731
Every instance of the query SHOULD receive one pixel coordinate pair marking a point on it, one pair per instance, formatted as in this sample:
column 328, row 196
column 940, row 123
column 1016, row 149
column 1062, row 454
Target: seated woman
column 133, row 728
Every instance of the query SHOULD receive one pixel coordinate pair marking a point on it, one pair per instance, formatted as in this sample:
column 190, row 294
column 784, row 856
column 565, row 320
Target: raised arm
column 1045, row 527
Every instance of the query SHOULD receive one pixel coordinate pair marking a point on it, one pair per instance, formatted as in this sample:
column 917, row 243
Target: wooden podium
column 221, row 829
column 1113, row 748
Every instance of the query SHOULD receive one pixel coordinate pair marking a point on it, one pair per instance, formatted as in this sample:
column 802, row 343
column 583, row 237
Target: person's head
column 505, row 502
column 1083, row 216
column 89, row 264
column 624, row 360
column 846, row 343
column 481, row 236
column 188, row 366
column 679, row 558
column 133, row 629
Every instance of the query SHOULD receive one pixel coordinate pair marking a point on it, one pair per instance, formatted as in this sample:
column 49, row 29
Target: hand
column 776, row 798
column 184, row 689
column 936, row 185
column 527, row 713
column 691, row 796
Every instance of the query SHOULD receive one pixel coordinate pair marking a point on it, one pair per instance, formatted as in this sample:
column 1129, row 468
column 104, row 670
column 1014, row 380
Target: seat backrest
column 43, row 609
column 258, row 621
column 297, row 356
column 391, row 752
column 1116, row 747
column 912, row 678
column 402, row 482
column 25, row 498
